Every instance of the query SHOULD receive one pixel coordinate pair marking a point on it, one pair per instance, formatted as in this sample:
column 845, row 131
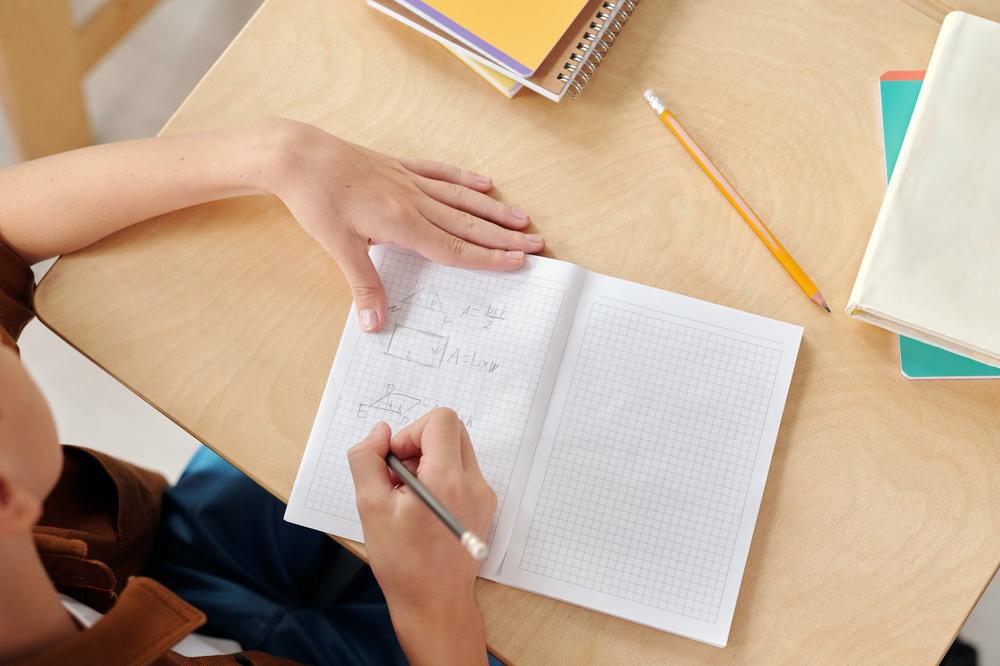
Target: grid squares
column 496, row 330
column 644, row 492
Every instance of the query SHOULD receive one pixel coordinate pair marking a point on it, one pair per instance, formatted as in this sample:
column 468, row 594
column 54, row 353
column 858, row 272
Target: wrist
column 274, row 151
column 440, row 610
column 440, row 633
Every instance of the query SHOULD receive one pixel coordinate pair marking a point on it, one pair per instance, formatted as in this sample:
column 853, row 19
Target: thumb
column 368, row 467
column 366, row 287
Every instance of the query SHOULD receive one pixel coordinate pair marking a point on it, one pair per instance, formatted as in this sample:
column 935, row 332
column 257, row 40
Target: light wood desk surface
column 878, row 527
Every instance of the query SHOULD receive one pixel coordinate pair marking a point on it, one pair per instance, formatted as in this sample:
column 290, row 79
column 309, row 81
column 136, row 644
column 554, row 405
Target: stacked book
column 552, row 48
column 931, row 272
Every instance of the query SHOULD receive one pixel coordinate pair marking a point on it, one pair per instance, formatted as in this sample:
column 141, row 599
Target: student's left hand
column 345, row 196
column 348, row 197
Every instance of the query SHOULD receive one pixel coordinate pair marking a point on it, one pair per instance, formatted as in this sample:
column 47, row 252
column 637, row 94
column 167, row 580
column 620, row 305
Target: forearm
column 64, row 202
column 454, row 635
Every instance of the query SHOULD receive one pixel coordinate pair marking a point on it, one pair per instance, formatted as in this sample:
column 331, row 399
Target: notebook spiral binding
column 595, row 44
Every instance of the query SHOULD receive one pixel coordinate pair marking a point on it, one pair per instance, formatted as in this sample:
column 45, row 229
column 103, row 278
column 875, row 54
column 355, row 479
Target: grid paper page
column 644, row 500
column 474, row 341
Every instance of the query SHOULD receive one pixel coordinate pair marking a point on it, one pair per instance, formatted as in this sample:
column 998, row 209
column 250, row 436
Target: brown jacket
column 95, row 534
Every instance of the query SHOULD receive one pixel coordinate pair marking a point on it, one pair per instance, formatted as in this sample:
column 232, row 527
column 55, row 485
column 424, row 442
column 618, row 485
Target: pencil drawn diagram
column 399, row 408
column 418, row 346
column 392, row 405
column 426, row 297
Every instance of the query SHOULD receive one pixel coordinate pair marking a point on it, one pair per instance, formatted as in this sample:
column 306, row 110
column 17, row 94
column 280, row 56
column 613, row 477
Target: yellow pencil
column 741, row 206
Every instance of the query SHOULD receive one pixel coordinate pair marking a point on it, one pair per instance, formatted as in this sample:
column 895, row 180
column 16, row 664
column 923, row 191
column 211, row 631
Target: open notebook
column 627, row 431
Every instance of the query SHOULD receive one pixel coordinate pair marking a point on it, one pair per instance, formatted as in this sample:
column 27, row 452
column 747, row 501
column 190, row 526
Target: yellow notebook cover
column 516, row 33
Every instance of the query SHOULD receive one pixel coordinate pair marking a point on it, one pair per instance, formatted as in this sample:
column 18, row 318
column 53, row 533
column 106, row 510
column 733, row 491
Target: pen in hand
column 476, row 547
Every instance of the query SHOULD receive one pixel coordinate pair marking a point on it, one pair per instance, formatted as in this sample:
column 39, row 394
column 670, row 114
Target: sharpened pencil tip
column 818, row 299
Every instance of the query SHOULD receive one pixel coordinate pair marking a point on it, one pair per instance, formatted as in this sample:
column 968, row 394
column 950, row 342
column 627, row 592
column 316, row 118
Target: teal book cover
column 918, row 360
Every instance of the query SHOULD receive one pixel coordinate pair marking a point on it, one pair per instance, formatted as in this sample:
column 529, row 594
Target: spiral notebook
column 626, row 430
column 569, row 64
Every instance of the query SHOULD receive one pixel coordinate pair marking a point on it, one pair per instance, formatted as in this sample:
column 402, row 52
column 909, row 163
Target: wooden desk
column 877, row 532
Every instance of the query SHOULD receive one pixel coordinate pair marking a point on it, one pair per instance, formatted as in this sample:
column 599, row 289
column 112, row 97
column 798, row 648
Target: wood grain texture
column 878, row 527
column 40, row 77
column 938, row 9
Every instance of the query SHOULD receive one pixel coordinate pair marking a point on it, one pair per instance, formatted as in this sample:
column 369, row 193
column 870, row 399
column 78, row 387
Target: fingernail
column 368, row 318
column 534, row 239
column 519, row 214
column 483, row 180
column 515, row 254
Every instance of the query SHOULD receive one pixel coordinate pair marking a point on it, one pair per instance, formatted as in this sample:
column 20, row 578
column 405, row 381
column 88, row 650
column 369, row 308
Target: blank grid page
column 646, row 486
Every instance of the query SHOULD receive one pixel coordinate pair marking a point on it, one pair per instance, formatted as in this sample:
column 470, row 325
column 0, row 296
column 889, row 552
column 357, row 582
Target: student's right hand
column 427, row 576
column 349, row 197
